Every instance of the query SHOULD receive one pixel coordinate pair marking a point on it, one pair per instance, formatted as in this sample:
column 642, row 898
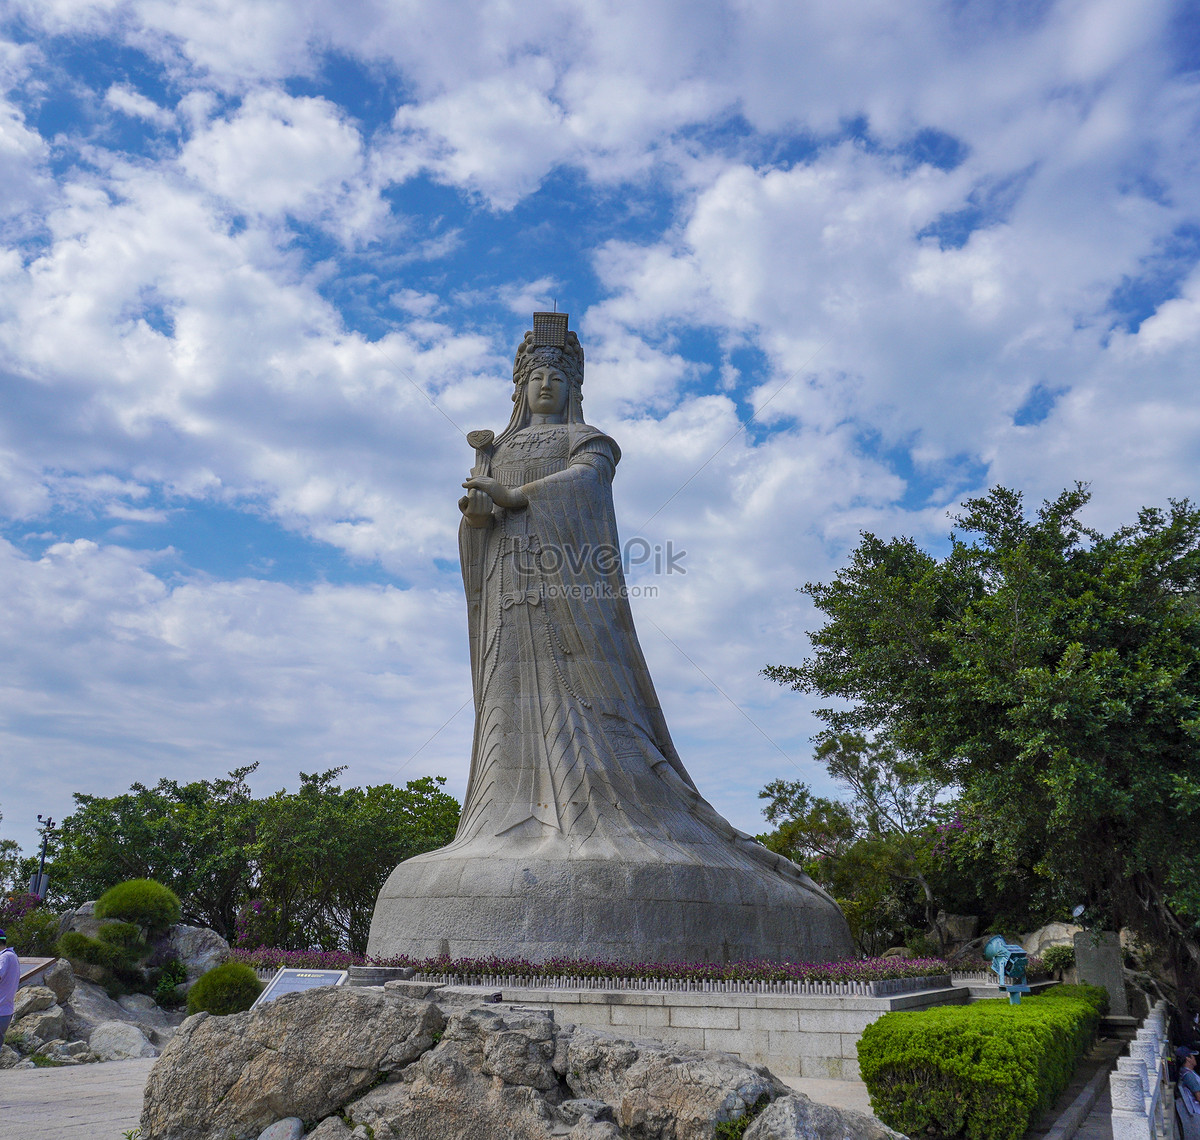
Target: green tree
column 318, row 855
column 874, row 851
column 1052, row 673
column 322, row 854
column 194, row 838
column 10, row 864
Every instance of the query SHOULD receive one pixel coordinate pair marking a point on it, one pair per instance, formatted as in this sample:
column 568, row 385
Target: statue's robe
column 571, row 749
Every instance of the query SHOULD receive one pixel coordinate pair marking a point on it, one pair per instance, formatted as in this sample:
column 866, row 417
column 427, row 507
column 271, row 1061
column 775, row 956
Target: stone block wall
column 795, row 1035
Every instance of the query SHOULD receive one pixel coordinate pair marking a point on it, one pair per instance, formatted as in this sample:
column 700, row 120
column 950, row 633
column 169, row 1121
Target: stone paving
column 79, row 1102
column 101, row 1102
column 1098, row 1123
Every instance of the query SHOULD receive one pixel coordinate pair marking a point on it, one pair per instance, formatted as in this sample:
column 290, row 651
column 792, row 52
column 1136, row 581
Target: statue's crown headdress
column 550, row 341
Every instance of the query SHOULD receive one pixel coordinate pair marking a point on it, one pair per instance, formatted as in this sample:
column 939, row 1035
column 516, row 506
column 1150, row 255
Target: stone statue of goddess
column 582, row 834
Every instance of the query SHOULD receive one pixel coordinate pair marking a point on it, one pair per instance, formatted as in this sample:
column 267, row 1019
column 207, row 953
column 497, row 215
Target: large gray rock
column 32, row 999
column 795, row 1117
column 331, row 1128
column 89, row 1006
column 59, row 978
column 661, row 1091
column 290, row 1128
column 1052, row 934
column 486, row 1078
column 45, row 1024
column 368, row 1063
column 120, row 1041
column 302, row 1055
column 9, row 1057
column 82, row 918
column 197, row 948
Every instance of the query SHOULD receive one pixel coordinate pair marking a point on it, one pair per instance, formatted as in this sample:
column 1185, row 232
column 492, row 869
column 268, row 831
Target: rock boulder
column 82, row 918
column 32, row 999
column 304, row 1055
column 367, row 1063
column 1052, row 934
column 60, row 979
column 795, row 1117
column 289, row 1128
column 197, row 948
column 89, row 1007
column 661, row 1091
column 120, row 1041
column 45, row 1024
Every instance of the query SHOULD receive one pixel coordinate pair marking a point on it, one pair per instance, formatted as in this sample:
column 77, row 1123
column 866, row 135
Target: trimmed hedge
column 985, row 1071
column 141, row 901
column 230, row 988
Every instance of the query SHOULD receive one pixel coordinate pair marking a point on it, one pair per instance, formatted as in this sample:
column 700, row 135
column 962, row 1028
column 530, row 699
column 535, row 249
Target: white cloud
column 167, row 333
column 280, row 155
column 129, row 101
column 108, row 670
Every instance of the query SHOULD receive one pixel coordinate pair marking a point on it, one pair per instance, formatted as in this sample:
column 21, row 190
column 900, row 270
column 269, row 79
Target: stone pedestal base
column 448, row 902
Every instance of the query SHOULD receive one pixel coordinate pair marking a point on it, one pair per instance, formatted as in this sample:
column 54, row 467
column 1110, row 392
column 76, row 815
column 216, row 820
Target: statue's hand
column 476, row 508
column 511, row 497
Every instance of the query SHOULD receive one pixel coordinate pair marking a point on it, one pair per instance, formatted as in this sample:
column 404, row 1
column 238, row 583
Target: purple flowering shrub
column 256, row 924
column 757, row 970
column 16, row 907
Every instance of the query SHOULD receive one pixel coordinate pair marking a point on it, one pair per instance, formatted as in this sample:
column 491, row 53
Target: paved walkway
column 1098, row 1123
column 100, row 1102
column 77, row 1102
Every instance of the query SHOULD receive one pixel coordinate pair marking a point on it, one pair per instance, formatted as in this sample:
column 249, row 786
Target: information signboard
column 295, row 981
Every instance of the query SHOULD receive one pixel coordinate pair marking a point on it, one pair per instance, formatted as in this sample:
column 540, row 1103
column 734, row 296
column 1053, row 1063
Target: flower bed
column 846, row 972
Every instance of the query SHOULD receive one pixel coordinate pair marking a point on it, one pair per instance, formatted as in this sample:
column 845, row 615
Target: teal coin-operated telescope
column 1008, row 962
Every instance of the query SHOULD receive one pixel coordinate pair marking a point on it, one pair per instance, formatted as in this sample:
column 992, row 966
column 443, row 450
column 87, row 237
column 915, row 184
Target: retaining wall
column 803, row 1035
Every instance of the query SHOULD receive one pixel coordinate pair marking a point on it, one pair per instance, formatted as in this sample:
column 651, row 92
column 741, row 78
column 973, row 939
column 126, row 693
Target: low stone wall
column 805, row 1035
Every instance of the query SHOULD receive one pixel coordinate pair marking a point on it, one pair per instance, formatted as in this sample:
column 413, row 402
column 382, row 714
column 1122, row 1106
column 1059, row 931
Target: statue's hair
column 569, row 360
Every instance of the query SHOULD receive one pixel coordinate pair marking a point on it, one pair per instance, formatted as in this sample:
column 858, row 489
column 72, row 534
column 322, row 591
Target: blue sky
column 263, row 263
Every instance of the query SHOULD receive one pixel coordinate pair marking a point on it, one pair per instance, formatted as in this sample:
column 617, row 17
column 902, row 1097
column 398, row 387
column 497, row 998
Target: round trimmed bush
column 141, row 901
column 230, row 988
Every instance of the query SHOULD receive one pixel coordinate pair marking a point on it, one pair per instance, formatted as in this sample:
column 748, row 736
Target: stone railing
column 1142, row 1105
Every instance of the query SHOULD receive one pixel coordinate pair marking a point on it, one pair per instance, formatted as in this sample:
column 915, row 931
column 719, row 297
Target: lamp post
column 39, row 882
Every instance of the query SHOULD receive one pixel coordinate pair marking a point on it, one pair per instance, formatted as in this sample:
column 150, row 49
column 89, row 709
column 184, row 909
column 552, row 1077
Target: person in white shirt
column 10, row 979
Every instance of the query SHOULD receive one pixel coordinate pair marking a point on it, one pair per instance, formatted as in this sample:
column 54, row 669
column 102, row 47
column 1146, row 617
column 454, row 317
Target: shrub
column 125, row 936
column 759, row 970
column 17, row 906
column 79, row 947
column 34, row 934
column 230, row 988
column 1058, row 958
column 170, row 976
column 985, row 1071
column 142, row 901
column 258, row 923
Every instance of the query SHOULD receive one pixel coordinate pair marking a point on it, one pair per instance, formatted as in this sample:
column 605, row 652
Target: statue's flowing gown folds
column 582, row 834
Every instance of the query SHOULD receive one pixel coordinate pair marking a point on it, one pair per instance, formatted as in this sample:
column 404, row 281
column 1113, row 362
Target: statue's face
column 547, row 391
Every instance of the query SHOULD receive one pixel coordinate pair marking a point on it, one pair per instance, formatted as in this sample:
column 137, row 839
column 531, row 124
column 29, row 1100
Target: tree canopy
column 873, row 851
column 1051, row 673
column 319, row 855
